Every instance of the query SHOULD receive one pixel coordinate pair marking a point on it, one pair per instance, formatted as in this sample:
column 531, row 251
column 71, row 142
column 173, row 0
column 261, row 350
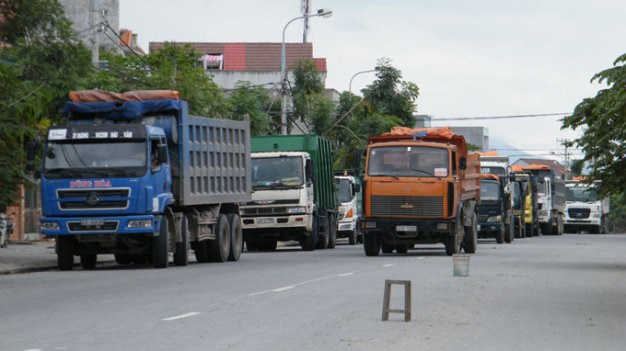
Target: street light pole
column 283, row 69
column 356, row 74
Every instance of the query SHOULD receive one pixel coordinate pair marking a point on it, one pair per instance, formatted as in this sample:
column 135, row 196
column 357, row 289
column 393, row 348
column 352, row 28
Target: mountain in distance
column 506, row 149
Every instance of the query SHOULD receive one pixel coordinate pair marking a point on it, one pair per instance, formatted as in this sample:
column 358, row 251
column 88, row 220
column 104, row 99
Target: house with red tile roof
column 257, row 63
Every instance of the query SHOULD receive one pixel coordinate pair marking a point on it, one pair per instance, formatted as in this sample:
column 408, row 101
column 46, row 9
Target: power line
column 502, row 117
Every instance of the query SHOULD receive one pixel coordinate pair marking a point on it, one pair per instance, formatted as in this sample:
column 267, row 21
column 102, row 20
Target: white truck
column 348, row 193
column 499, row 166
column 584, row 209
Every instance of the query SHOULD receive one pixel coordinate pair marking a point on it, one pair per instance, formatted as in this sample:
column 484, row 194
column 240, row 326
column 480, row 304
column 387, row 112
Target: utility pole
column 94, row 8
column 306, row 12
column 565, row 143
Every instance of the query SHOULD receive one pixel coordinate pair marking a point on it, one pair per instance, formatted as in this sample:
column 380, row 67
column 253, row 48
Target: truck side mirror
column 463, row 163
column 308, row 169
column 356, row 187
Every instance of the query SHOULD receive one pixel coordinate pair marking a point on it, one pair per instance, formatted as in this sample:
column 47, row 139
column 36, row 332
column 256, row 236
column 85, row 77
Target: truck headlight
column 140, row 223
column 296, row 210
column 49, row 226
column 494, row 219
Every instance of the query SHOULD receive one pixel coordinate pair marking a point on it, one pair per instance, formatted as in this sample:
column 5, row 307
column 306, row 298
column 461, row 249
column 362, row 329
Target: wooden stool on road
column 407, row 299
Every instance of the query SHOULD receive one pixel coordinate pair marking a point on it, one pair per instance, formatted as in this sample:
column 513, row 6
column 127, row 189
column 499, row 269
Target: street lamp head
column 324, row 13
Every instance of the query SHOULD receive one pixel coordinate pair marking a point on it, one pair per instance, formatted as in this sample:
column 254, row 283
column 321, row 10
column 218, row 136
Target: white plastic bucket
column 460, row 265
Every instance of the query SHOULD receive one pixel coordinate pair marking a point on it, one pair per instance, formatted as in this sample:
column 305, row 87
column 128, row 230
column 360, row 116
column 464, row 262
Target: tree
column 311, row 107
column 387, row 102
column 251, row 103
column 604, row 120
column 40, row 61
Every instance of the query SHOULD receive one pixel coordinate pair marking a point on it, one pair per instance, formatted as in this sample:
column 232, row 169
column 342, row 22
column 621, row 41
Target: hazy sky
column 469, row 58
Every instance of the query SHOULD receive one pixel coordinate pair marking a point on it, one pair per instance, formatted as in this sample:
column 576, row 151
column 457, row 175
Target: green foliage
column 603, row 119
column 42, row 61
column 251, row 103
column 387, row 102
column 311, row 107
column 576, row 167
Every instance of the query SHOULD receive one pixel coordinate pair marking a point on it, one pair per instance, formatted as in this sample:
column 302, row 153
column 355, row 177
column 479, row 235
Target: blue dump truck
column 135, row 175
column 294, row 193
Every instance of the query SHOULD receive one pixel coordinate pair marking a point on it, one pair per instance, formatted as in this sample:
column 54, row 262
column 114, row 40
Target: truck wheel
column 220, row 247
column 251, row 245
column 500, row 234
column 402, row 248
column 323, row 238
column 332, row 231
column 387, row 248
column 236, row 237
column 352, row 237
column 508, row 233
column 181, row 254
column 528, row 230
column 65, row 252
column 546, row 229
column 309, row 240
column 160, row 245
column 370, row 244
column 88, row 261
column 470, row 239
column 453, row 243
column 122, row 258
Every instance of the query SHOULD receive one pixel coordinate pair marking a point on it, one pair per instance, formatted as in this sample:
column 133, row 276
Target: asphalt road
column 543, row 293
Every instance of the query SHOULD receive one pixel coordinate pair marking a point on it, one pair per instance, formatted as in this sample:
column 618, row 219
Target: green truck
column 293, row 194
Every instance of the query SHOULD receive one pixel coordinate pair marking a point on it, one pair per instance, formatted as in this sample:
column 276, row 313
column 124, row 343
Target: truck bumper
column 347, row 225
column 57, row 226
column 304, row 222
column 488, row 227
column 401, row 231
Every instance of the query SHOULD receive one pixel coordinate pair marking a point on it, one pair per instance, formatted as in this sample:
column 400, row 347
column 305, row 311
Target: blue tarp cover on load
column 121, row 111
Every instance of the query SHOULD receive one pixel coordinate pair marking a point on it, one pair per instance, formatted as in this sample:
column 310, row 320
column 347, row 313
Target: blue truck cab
column 141, row 180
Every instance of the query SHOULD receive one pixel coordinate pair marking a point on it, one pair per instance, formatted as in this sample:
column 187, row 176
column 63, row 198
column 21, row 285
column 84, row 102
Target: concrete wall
column 78, row 11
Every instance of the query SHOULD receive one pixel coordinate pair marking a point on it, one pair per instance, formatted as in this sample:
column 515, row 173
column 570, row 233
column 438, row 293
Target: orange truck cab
column 421, row 186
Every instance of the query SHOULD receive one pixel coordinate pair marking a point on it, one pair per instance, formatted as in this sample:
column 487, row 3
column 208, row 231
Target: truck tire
column 332, row 231
column 528, row 232
column 387, row 248
column 353, row 237
column 236, row 237
column 65, row 252
column 323, row 238
column 251, row 245
column 88, row 261
column 122, row 258
column 160, row 245
column 181, row 253
column 309, row 240
column 508, row 233
column 219, row 248
column 370, row 244
column 546, row 229
column 402, row 248
column 500, row 234
column 470, row 239
column 453, row 243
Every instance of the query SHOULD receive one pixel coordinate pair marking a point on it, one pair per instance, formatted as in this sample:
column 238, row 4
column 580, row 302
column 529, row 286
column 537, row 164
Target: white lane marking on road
column 389, row 265
column 190, row 314
column 259, row 293
column 345, row 274
column 284, row 288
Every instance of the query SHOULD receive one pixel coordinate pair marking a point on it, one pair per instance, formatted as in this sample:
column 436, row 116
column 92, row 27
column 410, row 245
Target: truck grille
column 107, row 226
column 407, row 206
column 577, row 213
column 264, row 211
column 93, row 199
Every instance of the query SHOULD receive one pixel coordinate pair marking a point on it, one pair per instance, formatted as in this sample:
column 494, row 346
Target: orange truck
column 421, row 186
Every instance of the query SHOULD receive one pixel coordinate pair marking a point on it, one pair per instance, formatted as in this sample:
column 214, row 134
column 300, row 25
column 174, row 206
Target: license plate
column 265, row 220
column 406, row 228
column 91, row 222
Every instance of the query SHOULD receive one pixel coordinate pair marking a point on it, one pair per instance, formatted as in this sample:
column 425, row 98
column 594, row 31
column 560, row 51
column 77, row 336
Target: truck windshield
column 89, row 160
column 580, row 194
column 344, row 190
column 277, row 172
column 516, row 192
column 489, row 191
column 408, row 161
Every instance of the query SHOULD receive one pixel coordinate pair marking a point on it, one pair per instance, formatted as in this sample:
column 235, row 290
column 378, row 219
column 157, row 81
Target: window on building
column 212, row 61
